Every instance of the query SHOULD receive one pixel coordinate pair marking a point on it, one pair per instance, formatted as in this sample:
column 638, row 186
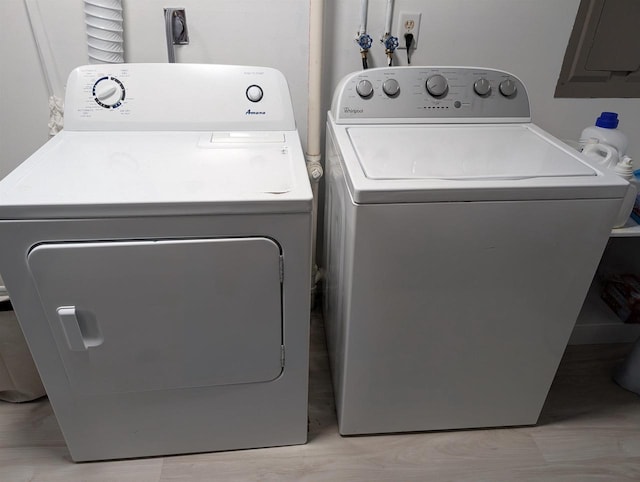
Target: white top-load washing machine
column 157, row 253
column 460, row 241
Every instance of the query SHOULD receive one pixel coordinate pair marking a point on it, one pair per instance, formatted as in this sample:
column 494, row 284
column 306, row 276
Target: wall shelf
column 631, row 229
column 597, row 323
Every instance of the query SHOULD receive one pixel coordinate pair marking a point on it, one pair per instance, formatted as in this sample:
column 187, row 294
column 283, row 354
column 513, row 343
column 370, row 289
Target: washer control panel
column 430, row 95
column 177, row 97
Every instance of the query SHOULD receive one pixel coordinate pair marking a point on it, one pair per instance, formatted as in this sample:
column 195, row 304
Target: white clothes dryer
column 460, row 241
column 157, row 253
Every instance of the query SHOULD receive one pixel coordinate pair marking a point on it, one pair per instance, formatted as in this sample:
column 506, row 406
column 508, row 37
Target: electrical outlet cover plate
column 408, row 23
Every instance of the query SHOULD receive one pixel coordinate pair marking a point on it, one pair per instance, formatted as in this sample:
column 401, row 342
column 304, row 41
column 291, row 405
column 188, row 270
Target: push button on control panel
column 254, row 93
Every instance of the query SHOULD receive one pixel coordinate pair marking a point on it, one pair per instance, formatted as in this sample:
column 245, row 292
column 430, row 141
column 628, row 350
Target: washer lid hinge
column 281, row 268
column 282, row 356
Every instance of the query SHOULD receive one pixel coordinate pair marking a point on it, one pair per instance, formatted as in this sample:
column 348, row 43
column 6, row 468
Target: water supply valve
column 390, row 44
column 364, row 41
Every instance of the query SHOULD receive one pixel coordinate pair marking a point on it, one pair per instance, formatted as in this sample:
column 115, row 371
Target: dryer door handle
column 71, row 328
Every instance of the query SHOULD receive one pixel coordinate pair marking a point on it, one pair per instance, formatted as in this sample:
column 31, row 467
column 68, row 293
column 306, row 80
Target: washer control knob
column 254, row 93
column 508, row 87
column 364, row 88
column 391, row 87
column 482, row 87
column 437, row 85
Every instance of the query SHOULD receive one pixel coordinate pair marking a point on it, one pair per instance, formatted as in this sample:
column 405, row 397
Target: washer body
column 460, row 241
column 157, row 253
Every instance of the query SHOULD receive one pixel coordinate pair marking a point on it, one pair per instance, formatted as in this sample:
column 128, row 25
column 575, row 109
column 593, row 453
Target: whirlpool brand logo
column 351, row 110
column 255, row 112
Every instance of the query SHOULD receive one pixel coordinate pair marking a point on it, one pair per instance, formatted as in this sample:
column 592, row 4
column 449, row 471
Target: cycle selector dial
column 508, row 88
column 364, row 89
column 391, row 87
column 108, row 92
column 437, row 85
column 482, row 87
column 255, row 93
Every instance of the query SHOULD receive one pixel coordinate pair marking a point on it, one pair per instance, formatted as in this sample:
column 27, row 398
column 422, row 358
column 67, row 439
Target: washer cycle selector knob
column 108, row 92
column 508, row 87
column 482, row 87
column 437, row 85
column 364, row 89
column 254, row 93
column 391, row 87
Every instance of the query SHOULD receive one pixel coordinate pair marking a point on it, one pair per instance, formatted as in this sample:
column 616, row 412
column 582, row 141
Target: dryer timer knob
column 108, row 92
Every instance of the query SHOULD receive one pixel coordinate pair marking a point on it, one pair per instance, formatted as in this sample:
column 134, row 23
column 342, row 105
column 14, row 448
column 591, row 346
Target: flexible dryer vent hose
column 105, row 40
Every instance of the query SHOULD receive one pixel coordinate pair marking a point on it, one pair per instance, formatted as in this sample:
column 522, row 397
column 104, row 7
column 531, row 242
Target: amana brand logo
column 255, row 112
column 351, row 110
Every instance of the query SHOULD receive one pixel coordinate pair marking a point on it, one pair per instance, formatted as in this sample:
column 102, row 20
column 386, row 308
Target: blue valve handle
column 365, row 41
column 391, row 43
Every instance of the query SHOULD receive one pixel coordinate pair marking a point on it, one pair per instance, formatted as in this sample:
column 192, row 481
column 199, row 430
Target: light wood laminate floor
column 589, row 430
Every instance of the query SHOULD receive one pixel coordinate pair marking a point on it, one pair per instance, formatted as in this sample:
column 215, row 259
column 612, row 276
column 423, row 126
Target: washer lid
column 460, row 152
column 108, row 174
column 489, row 162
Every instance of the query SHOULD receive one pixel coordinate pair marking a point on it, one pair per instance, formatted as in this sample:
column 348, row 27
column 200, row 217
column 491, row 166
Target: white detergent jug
column 605, row 144
column 606, row 131
column 603, row 154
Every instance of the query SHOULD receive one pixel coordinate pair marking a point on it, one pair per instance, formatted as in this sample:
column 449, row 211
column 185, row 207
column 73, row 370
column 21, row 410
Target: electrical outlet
column 408, row 23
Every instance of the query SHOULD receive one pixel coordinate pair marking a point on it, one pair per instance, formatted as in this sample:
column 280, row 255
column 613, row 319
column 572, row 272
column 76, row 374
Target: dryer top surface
column 108, row 174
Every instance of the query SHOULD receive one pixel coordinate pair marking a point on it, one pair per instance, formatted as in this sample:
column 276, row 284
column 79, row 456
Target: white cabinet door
column 154, row 315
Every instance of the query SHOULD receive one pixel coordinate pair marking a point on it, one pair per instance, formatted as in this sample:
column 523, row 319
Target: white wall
column 24, row 113
column 525, row 37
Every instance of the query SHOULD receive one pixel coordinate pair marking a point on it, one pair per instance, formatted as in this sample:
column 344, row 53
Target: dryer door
column 153, row 315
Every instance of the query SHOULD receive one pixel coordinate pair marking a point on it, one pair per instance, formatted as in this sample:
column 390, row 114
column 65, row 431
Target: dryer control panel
column 430, row 95
column 177, row 97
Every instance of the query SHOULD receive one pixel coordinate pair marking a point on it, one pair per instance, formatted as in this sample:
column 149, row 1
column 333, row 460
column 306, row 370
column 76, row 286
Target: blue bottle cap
column 607, row 120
